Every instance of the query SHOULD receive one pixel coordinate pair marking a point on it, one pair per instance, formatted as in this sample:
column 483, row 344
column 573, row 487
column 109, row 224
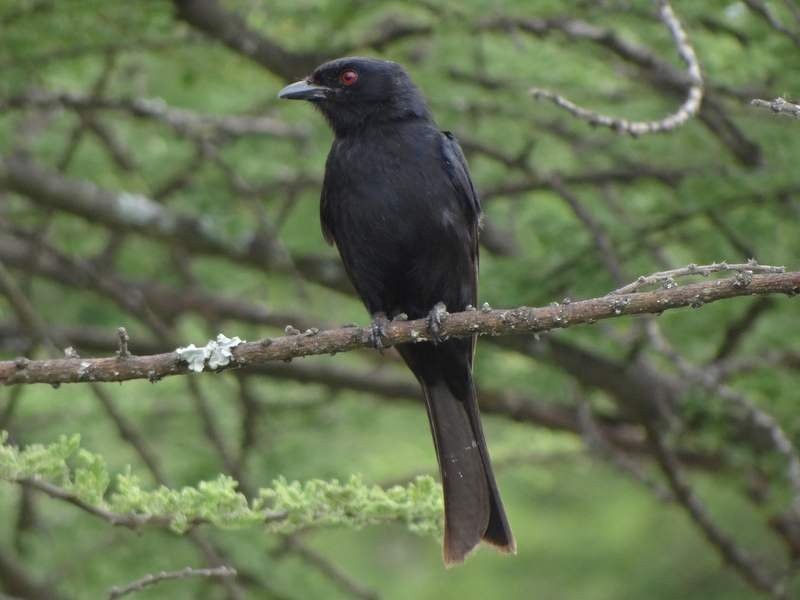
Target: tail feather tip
column 509, row 547
column 455, row 558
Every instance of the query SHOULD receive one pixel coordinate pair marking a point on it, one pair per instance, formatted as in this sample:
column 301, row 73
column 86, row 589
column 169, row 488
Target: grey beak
column 303, row 90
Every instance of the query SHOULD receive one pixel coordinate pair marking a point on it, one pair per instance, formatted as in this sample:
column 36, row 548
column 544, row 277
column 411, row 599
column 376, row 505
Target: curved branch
column 686, row 111
column 485, row 321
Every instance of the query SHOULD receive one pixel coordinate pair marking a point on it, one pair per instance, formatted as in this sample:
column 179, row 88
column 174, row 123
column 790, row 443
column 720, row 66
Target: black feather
column 399, row 204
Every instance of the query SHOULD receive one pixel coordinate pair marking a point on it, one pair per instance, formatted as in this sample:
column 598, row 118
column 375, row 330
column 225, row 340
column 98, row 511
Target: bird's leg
column 435, row 320
column 378, row 330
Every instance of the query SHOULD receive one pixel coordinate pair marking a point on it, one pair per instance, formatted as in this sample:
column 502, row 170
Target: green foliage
column 38, row 460
column 285, row 507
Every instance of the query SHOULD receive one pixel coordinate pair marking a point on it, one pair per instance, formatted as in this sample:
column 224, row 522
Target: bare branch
column 601, row 240
column 154, row 303
column 779, row 105
column 627, row 175
column 36, row 325
column 655, row 71
column 20, row 584
column 597, row 444
column 150, row 579
column 753, row 415
column 321, row 563
column 123, row 211
column 667, row 278
column 726, row 546
column 687, row 110
column 486, row 321
column 183, row 121
column 760, row 8
column 735, row 333
column 229, row 28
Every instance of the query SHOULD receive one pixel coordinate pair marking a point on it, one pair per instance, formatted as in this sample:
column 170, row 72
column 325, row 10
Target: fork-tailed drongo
column 398, row 203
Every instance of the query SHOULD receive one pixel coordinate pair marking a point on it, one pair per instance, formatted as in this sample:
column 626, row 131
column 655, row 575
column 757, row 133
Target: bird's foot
column 435, row 319
column 378, row 330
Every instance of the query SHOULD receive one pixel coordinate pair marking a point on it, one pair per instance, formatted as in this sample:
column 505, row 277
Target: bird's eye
column 348, row 77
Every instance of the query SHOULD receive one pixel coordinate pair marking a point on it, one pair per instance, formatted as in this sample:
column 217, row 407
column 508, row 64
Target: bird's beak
column 303, row 90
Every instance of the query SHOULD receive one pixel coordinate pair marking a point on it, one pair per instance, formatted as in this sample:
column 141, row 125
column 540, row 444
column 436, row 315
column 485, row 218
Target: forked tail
column 473, row 510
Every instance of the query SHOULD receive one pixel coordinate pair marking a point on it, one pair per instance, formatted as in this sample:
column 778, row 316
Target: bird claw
column 378, row 331
column 435, row 320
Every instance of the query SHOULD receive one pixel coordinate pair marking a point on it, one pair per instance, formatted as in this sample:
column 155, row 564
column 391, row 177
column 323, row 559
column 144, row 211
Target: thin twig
column 334, row 573
column 122, row 351
column 667, row 278
column 154, row 579
column 736, row 332
column 686, row 111
column 600, row 238
column 600, row 446
column 779, row 105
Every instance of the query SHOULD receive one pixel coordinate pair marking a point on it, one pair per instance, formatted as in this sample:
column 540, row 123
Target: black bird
column 398, row 203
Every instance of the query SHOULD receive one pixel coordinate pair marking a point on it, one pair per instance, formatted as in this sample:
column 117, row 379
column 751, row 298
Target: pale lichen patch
column 218, row 353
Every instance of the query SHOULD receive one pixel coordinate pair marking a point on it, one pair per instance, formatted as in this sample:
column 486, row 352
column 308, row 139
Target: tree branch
column 123, row 211
column 17, row 581
column 485, row 321
column 657, row 72
column 183, row 121
column 686, row 111
column 229, row 28
column 779, row 105
column 150, row 579
column 728, row 549
column 667, row 278
column 762, row 10
column 130, row 520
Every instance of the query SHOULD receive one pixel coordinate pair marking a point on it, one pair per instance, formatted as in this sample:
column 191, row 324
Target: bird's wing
column 329, row 184
column 458, row 171
column 324, row 219
column 456, row 166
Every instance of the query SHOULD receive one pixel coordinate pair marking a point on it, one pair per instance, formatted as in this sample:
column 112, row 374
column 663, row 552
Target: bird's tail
column 473, row 510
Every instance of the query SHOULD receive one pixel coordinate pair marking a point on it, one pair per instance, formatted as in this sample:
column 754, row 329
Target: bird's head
column 354, row 93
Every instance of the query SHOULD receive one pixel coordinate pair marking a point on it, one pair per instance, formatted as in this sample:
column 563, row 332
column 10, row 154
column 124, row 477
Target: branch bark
column 123, row 211
column 153, row 579
column 486, row 321
column 229, row 28
column 183, row 121
column 686, row 111
column 779, row 105
column 657, row 72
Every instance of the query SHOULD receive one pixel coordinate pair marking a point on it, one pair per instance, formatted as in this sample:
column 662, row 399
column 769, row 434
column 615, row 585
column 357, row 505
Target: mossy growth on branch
column 286, row 506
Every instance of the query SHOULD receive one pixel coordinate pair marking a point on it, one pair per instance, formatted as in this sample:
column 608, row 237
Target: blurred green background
column 723, row 187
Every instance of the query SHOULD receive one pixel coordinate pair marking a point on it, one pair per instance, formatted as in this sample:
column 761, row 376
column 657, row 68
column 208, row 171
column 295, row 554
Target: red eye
column 348, row 77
